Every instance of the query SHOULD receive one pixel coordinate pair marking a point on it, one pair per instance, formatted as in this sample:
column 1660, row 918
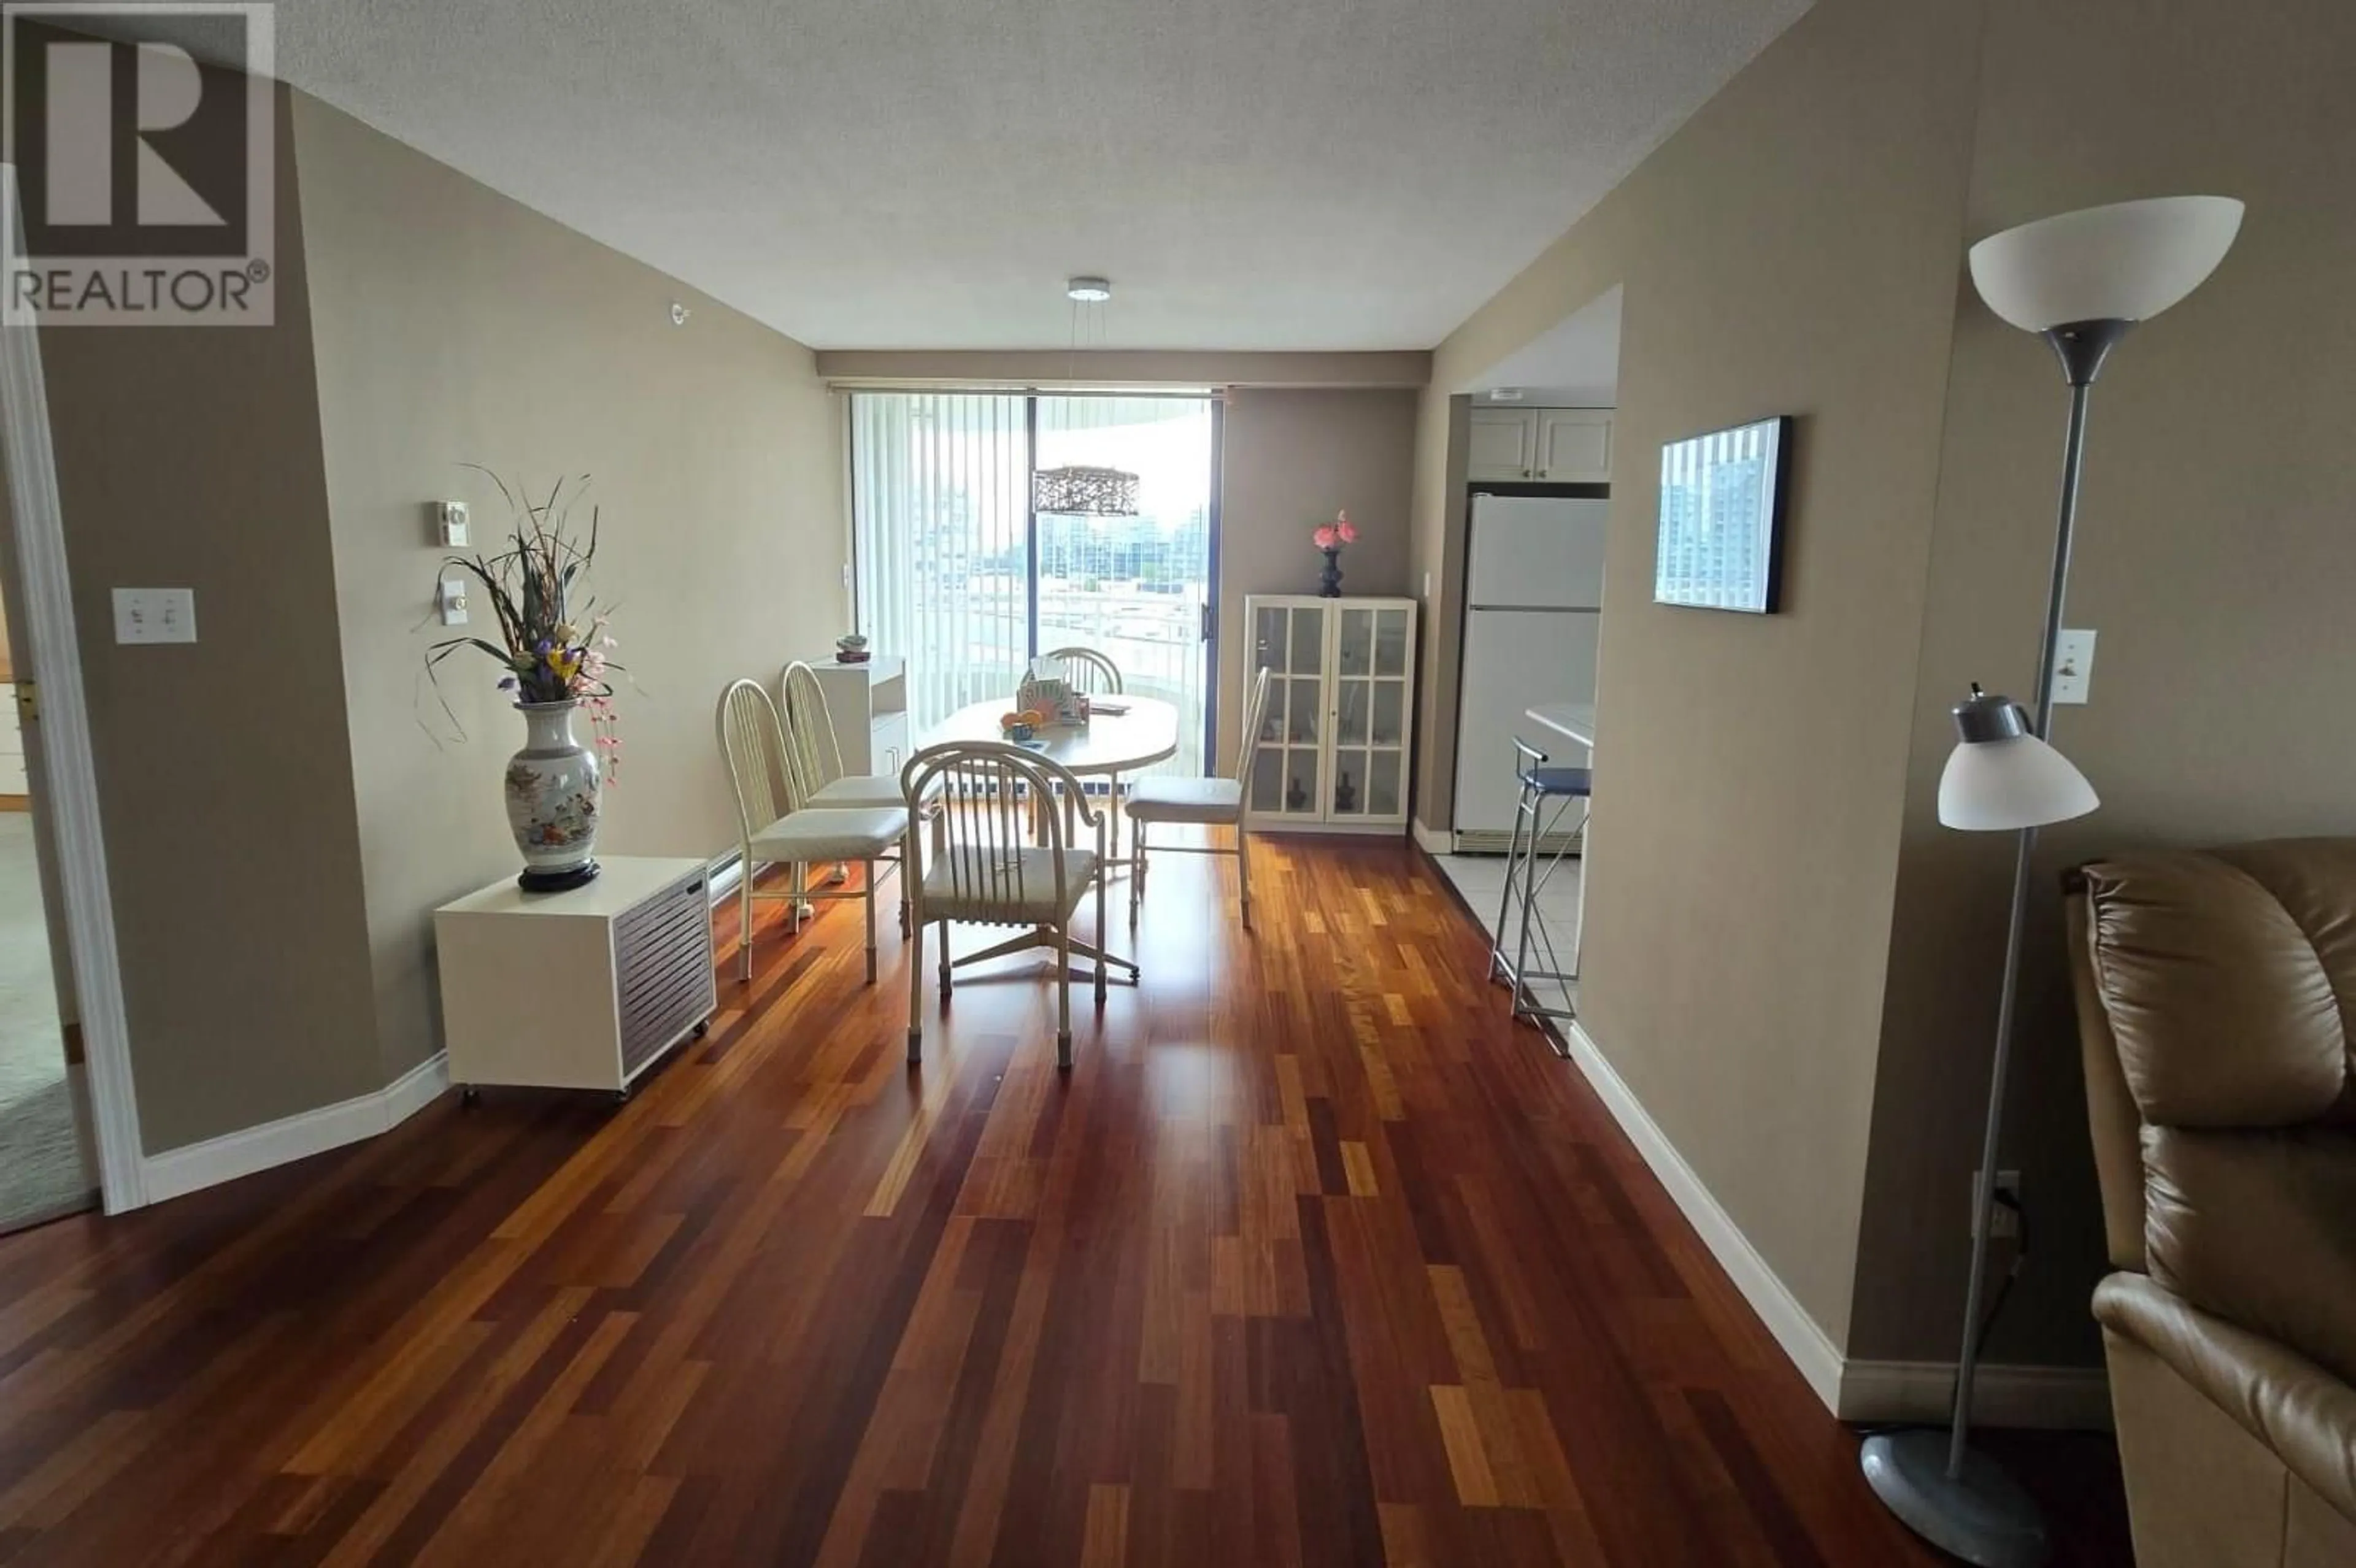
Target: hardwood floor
column 1311, row 1259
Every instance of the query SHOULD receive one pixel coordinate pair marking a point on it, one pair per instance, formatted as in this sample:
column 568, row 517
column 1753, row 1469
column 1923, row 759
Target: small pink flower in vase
column 1330, row 537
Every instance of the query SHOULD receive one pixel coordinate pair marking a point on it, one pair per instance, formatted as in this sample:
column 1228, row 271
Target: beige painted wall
column 190, row 457
column 456, row 326
column 1290, row 459
column 2214, row 556
column 1766, row 796
column 1747, row 794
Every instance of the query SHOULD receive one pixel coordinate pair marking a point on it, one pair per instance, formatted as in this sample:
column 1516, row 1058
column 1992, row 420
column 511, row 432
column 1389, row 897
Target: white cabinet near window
column 869, row 704
column 1555, row 446
column 1337, row 739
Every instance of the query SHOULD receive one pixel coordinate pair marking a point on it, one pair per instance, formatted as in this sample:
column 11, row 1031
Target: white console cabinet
column 583, row 989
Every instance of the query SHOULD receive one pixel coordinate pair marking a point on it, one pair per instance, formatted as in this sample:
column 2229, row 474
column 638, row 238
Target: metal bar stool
column 1547, row 794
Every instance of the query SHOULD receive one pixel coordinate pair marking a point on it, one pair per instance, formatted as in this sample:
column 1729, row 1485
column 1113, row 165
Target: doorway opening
column 62, row 965
column 46, row 1169
column 958, row 574
column 1526, row 549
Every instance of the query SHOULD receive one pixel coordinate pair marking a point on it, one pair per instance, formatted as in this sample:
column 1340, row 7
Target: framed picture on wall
column 1723, row 496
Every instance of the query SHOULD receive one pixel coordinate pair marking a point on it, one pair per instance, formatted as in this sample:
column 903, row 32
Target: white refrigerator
column 1533, row 597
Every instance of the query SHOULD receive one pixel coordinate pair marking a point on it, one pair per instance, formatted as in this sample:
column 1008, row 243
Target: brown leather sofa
column 2216, row 994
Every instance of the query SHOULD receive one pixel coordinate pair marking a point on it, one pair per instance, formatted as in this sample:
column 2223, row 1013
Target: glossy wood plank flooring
column 1312, row 1259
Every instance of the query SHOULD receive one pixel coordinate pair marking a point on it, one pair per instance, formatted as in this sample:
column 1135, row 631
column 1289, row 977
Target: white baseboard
column 2075, row 1399
column 1433, row 840
column 1856, row 1391
column 225, row 1158
column 1808, row 1346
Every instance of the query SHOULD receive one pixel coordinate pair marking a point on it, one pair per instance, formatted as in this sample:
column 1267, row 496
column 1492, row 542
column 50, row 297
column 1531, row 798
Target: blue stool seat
column 1558, row 781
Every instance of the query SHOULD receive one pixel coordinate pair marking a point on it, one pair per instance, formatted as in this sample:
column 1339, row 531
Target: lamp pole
column 2079, row 280
column 2081, row 347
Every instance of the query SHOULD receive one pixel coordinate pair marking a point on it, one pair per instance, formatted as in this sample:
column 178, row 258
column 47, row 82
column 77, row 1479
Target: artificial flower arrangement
column 552, row 648
column 1330, row 537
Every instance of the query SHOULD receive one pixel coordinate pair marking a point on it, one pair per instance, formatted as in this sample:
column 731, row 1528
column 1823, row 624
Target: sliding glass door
column 957, row 573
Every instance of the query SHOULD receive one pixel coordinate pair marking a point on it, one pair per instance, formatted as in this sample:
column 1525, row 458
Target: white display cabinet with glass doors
column 1336, row 740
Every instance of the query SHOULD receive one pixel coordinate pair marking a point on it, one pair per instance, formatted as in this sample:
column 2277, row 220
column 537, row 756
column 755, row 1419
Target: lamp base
column 1983, row 1517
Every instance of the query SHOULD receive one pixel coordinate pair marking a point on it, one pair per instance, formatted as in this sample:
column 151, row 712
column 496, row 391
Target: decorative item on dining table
column 850, row 648
column 1049, row 696
column 1330, row 537
column 555, row 651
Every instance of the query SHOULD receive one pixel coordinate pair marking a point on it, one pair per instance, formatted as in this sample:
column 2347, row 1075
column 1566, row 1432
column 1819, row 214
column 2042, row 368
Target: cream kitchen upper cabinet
column 1574, row 446
column 1560, row 446
column 1503, row 444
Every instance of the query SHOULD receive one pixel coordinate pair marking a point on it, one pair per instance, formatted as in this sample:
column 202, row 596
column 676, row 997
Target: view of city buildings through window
column 956, row 575
column 1716, row 523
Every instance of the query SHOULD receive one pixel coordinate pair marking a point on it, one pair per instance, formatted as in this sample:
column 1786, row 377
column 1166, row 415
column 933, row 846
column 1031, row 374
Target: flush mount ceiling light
column 1077, row 490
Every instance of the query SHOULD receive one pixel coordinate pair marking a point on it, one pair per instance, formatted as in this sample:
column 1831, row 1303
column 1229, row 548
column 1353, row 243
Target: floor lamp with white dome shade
column 2082, row 281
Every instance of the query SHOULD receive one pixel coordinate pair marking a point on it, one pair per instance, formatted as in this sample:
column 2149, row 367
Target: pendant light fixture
column 1077, row 490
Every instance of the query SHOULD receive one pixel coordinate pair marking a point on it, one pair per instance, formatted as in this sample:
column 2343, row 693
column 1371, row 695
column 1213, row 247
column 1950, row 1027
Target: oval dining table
column 1107, row 746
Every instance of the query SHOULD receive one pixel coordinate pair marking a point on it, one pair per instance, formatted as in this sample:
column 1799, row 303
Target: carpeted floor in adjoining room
column 41, row 1170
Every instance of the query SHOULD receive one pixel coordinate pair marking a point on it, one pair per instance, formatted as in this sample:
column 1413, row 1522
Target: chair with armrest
column 1004, row 860
column 2213, row 991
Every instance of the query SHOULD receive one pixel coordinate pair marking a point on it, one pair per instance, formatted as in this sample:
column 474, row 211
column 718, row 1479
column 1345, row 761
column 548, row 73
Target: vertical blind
column 941, row 495
column 940, row 499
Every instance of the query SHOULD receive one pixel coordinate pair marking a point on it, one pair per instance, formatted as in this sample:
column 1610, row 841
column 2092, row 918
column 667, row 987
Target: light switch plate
column 450, row 598
column 2074, row 666
column 449, row 521
column 155, row 614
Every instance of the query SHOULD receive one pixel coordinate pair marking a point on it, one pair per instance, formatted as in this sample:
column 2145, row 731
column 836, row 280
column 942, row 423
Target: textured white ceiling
column 872, row 174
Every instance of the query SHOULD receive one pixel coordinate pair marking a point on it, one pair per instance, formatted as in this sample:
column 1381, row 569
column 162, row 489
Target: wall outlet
column 155, row 614
column 2074, row 666
column 2004, row 1222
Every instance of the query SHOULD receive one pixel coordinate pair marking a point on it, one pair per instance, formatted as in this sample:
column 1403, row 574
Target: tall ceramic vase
column 552, row 785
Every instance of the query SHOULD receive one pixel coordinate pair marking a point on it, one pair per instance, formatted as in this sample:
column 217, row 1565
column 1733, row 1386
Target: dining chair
column 1085, row 669
column 1216, row 802
column 816, row 751
column 1004, row 863
column 775, row 828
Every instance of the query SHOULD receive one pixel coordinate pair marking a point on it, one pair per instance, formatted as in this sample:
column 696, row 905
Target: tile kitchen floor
column 1479, row 878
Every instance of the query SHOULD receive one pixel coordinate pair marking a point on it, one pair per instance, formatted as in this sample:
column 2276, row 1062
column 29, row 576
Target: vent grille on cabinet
column 662, row 969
